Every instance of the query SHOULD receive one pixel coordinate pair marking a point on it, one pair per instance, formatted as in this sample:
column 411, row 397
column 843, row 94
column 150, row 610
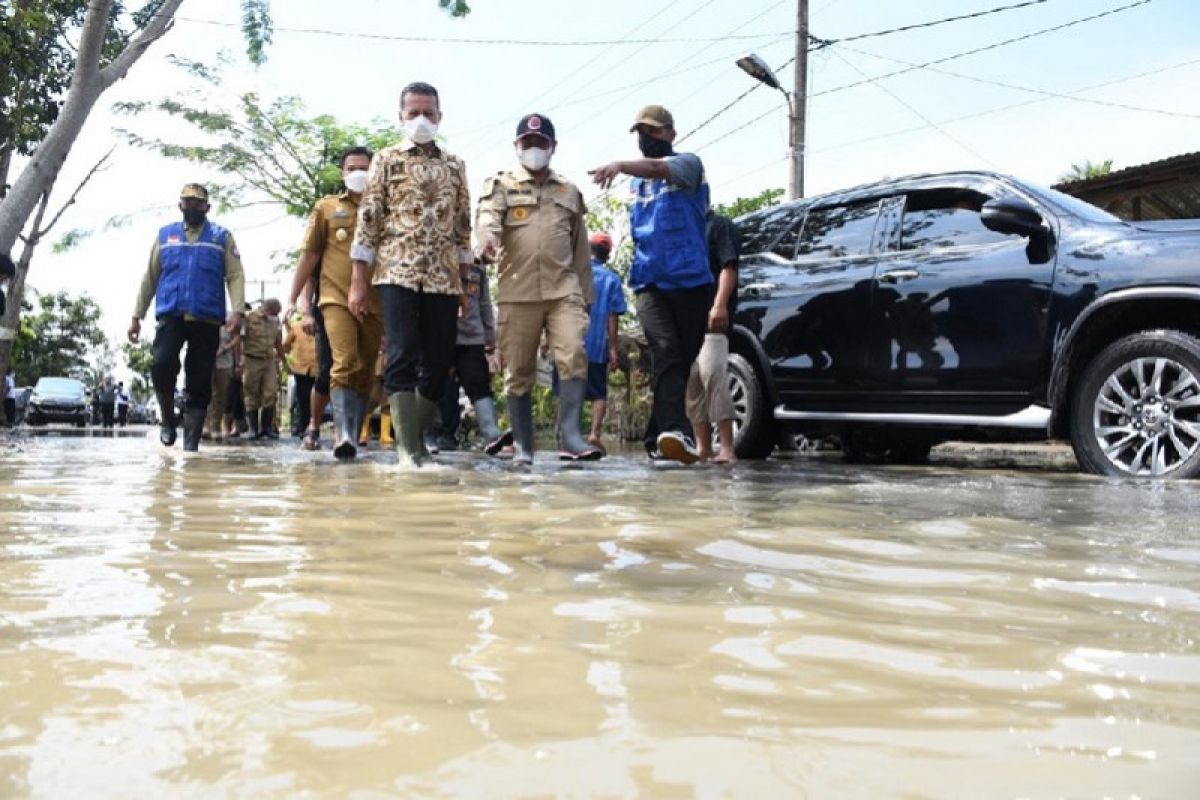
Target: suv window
column 771, row 232
column 838, row 231
column 945, row 218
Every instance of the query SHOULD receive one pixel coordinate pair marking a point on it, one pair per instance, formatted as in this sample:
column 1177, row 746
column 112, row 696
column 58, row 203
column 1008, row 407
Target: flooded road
column 257, row 622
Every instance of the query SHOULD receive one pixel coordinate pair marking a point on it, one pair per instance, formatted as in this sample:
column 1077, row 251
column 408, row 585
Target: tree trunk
column 16, row 289
column 88, row 82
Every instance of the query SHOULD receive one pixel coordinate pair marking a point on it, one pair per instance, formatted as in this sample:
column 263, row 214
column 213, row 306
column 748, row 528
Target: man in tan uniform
column 413, row 242
column 530, row 221
column 262, row 347
column 353, row 340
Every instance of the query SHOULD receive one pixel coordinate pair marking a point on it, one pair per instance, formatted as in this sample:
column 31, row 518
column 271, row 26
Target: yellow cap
column 655, row 117
column 193, row 190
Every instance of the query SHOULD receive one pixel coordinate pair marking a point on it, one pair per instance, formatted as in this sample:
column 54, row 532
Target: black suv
column 969, row 306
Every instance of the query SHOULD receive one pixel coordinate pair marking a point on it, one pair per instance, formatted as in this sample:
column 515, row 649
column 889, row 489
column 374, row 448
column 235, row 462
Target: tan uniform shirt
column 234, row 281
column 261, row 336
column 414, row 221
column 329, row 234
column 301, row 349
column 544, row 252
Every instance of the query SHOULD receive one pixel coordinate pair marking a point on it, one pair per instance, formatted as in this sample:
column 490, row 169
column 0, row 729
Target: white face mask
column 355, row 181
column 533, row 158
column 420, row 129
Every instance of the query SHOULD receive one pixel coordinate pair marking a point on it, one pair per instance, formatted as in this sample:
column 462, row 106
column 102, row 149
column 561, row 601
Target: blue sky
column 854, row 135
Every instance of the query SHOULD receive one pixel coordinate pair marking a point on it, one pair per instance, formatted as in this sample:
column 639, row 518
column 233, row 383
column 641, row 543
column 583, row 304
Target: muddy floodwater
column 260, row 622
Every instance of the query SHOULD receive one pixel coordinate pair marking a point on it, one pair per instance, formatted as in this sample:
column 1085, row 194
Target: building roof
column 1165, row 189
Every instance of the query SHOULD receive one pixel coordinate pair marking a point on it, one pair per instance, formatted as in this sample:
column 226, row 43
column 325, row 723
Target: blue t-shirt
column 610, row 299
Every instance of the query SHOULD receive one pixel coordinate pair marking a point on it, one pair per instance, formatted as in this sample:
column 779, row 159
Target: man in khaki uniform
column 192, row 264
column 353, row 340
column 530, row 220
column 262, row 347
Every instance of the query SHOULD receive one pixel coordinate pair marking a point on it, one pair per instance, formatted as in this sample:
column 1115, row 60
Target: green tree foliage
column 1086, row 169
column 273, row 152
column 140, row 359
column 744, row 205
column 62, row 337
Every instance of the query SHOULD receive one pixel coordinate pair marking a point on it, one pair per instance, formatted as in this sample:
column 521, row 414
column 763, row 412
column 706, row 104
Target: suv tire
column 1136, row 408
column 755, row 431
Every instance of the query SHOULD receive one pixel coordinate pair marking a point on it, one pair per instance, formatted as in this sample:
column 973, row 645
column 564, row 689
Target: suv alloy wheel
column 1136, row 410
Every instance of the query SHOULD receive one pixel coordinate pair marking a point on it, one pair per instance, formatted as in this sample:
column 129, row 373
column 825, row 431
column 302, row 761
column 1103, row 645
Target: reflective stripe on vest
column 193, row 273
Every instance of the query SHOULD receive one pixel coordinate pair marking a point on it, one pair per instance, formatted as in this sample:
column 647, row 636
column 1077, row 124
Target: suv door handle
column 898, row 275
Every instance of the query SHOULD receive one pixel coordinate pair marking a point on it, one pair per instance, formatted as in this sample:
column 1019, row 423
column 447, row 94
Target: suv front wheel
column 754, row 433
column 1136, row 410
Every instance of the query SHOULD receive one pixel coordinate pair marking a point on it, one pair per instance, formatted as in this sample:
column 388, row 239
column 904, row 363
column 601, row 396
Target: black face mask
column 194, row 217
column 653, row 148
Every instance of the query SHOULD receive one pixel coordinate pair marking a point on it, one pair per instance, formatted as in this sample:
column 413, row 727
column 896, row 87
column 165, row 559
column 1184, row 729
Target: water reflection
column 254, row 622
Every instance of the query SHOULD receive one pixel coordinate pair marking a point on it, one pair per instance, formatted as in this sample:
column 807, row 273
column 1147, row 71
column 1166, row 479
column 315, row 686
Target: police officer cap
column 193, row 190
column 538, row 124
column 655, row 117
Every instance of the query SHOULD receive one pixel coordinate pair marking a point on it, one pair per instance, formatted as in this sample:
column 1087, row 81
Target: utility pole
column 798, row 103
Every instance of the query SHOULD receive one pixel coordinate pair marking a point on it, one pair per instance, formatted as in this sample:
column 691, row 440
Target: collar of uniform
column 523, row 175
column 345, row 195
column 434, row 150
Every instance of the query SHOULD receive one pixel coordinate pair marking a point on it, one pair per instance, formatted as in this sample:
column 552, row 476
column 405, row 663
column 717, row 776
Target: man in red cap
column 531, row 223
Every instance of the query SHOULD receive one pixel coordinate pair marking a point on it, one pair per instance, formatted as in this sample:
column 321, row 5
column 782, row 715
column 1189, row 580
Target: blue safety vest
column 193, row 273
column 668, row 226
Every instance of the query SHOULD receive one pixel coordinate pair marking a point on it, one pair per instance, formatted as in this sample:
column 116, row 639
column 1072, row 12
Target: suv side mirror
column 1012, row 215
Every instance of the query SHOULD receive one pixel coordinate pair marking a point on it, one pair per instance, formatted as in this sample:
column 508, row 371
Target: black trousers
column 10, row 411
column 106, row 414
column 122, row 414
column 471, row 370
column 202, row 340
column 302, row 406
column 324, row 354
column 674, row 322
column 421, row 330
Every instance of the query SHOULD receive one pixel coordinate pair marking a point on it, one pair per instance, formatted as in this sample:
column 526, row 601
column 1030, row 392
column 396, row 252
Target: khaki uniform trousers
column 216, row 404
column 260, row 383
column 521, row 324
column 355, row 346
column 708, row 399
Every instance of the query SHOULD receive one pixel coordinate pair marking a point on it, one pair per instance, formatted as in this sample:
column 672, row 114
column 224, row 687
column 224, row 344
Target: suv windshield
column 1073, row 205
column 59, row 385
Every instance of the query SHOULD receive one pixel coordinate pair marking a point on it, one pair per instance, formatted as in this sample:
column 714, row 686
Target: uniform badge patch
column 535, row 123
column 520, row 213
column 341, row 235
column 172, row 239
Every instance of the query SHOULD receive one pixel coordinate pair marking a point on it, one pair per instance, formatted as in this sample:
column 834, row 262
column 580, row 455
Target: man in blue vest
column 191, row 265
column 670, row 276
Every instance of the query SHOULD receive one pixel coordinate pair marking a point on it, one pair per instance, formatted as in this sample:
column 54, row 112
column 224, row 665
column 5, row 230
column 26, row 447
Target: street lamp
column 754, row 66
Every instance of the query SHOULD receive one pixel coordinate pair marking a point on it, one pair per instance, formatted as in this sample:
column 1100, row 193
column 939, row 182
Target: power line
column 933, row 62
column 818, row 43
column 936, row 22
column 504, row 42
column 1008, row 107
column 986, row 48
column 1029, row 89
column 563, row 81
column 916, row 112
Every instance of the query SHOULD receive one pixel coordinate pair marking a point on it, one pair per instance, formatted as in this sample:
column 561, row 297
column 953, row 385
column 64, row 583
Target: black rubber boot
column 266, row 423
column 252, row 420
column 520, row 415
column 193, row 428
column 166, row 422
